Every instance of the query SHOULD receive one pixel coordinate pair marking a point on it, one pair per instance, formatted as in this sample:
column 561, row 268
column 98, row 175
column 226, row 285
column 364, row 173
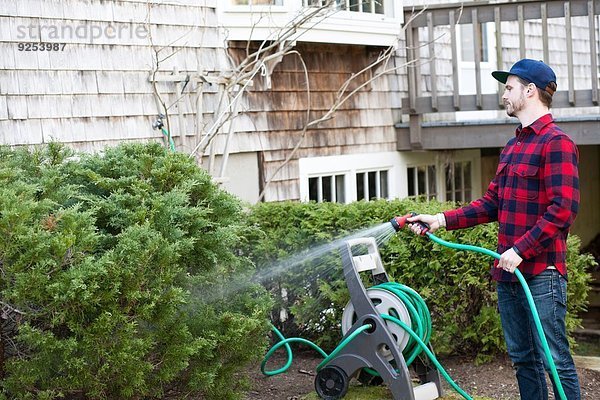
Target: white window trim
column 377, row 182
column 259, row 22
column 416, row 179
column 491, row 45
column 349, row 165
column 333, row 186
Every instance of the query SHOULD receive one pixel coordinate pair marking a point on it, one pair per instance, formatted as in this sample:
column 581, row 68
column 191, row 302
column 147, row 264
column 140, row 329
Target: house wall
column 587, row 224
column 95, row 90
column 273, row 117
column 241, row 175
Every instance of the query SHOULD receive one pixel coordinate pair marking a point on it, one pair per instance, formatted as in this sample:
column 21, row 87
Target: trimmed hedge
column 455, row 284
column 115, row 276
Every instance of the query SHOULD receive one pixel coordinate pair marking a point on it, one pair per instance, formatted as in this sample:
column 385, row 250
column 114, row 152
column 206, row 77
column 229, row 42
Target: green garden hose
column 532, row 307
column 419, row 332
column 169, row 138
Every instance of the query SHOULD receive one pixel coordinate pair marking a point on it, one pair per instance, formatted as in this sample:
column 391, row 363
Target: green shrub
column 115, row 276
column 288, row 246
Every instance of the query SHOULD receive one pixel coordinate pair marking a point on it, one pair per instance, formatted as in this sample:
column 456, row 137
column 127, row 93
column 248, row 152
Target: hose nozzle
column 399, row 222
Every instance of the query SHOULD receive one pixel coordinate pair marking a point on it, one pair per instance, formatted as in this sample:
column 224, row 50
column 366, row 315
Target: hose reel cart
column 377, row 350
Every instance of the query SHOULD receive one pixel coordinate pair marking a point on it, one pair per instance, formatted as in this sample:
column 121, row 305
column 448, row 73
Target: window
column 372, row 185
column 469, row 81
column 467, row 46
column 366, row 6
column 458, row 181
column 422, row 182
column 330, row 188
column 257, row 2
column 346, row 178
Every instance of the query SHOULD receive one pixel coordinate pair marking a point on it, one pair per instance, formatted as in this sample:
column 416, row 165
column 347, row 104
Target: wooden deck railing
column 530, row 21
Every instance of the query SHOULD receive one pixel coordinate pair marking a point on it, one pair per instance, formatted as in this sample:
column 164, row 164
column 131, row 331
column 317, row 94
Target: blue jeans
column 549, row 291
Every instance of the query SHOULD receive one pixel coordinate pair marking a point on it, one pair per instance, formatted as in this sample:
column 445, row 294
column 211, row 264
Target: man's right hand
column 431, row 220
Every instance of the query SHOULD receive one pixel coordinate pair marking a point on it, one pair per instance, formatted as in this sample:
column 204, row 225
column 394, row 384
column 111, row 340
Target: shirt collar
column 537, row 125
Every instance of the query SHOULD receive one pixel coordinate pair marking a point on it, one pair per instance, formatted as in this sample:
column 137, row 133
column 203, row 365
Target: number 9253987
column 41, row 46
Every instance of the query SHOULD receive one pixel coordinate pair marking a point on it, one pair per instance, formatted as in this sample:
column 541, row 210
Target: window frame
column 453, row 190
column 231, row 3
column 427, row 194
column 484, row 37
column 378, row 195
column 333, row 190
column 350, row 165
column 441, row 161
column 467, row 68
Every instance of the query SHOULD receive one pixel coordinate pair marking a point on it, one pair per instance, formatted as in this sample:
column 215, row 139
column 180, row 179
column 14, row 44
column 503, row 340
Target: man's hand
column 509, row 260
column 431, row 220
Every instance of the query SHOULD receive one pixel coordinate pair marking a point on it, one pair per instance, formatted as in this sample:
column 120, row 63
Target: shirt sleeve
column 478, row 211
column 561, row 179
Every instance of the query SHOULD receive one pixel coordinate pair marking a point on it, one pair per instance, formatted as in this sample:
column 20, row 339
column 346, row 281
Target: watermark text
column 89, row 32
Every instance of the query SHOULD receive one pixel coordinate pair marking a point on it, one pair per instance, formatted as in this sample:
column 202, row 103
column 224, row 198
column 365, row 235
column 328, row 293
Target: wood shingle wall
column 96, row 92
column 276, row 116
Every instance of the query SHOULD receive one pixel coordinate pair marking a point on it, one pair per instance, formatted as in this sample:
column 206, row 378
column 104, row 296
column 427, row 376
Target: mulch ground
column 495, row 380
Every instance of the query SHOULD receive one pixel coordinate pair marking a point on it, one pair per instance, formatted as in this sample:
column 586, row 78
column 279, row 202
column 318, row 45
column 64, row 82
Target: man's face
column 514, row 96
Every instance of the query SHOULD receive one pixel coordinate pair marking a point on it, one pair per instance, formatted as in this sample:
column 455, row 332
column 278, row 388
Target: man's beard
column 513, row 108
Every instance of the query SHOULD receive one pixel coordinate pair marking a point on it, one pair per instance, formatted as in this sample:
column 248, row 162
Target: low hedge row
column 288, row 244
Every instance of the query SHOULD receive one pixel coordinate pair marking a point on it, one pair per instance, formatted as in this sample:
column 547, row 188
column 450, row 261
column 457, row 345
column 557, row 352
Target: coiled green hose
column 419, row 332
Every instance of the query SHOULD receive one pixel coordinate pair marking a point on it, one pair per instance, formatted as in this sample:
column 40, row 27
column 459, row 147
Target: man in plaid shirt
column 535, row 198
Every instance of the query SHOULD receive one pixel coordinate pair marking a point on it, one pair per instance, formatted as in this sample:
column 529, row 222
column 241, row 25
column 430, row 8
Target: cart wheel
column 331, row 383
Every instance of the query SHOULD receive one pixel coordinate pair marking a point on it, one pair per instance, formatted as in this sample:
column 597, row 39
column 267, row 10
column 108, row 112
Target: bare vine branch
column 271, row 50
column 282, row 43
column 156, row 63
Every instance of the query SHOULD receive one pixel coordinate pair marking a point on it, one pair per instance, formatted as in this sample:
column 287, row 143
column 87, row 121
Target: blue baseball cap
column 532, row 71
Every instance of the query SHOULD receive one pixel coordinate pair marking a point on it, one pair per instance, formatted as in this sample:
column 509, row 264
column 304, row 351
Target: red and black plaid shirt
column 534, row 197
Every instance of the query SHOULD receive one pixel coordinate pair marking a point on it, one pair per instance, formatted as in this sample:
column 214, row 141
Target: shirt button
column 518, row 143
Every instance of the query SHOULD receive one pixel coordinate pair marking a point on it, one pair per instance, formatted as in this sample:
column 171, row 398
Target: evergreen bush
column 455, row 284
column 115, row 277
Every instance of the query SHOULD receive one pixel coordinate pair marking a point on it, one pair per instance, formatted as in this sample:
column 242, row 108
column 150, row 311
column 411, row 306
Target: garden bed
column 493, row 380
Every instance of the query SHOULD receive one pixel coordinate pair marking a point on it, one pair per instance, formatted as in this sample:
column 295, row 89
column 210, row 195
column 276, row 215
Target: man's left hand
column 509, row 260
